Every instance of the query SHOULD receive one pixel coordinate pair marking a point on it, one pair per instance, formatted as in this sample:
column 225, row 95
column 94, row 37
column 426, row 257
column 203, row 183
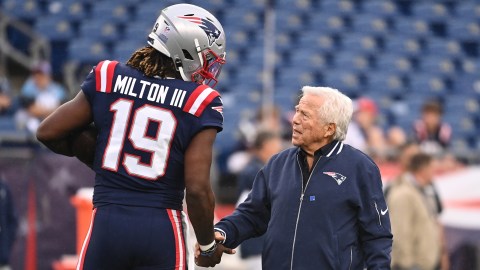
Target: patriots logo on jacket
column 213, row 33
column 337, row 177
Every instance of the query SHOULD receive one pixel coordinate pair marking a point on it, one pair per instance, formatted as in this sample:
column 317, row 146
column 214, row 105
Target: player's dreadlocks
column 153, row 63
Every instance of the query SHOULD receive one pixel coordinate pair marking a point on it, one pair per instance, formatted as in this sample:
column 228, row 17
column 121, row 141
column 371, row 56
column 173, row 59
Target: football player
column 155, row 120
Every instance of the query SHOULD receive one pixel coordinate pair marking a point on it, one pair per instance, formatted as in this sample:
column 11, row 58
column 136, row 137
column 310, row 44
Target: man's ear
column 330, row 129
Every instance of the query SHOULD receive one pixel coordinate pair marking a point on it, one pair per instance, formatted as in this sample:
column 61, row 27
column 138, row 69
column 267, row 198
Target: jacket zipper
column 378, row 213
column 300, row 207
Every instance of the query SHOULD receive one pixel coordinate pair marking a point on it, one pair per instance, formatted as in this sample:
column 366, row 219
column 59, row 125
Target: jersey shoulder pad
column 199, row 99
column 104, row 75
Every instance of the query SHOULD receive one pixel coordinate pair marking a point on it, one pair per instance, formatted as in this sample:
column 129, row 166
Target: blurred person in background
column 403, row 159
column 5, row 94
column 269, row 118
column 265, row 145
column 39, row 96
column 414, row 208
column 429, row 131
column 8, row 225
column 364, row 132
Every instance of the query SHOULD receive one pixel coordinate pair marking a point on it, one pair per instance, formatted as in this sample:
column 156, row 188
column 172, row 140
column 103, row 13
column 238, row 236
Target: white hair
column 337, row 108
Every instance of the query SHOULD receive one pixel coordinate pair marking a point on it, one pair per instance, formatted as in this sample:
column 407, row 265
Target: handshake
column 213, row 255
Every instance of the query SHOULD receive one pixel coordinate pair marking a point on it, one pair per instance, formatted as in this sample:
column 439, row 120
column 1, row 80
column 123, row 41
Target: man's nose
column 295, row 119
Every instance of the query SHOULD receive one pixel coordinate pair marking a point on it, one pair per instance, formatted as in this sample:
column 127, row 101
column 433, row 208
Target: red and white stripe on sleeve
column 104, row 75
column 199, row 100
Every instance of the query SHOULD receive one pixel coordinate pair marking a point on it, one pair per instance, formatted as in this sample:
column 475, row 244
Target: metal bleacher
column 395, row 50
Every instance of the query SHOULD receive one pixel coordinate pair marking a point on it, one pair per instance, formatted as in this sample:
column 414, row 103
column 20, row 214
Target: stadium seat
column 403, row 45
column 319, row 42
column 55, row 28
column 437, row 65
column 427, row 85
column 88, row 51
column 22, row 9
column 464, row 30
column 293, row 78
column 309, row 58
column 327, row 24
column 343, row 7
column 112, row 11
column 369, row 24
column 138, row 30
column 361, row 43
column 470, row 66
column 432, row 12
column 288, row 21
column 346, row 81
column 440, row 46
column 393, row 63
column 380, row 8
column 383, row 83
column 123, row 51
column 244, row 17
column 413, row 27
column 466, row 104
column 467, row 10
column 467, row 84
column 99, row 30
column 149, row 11
column 351, row 61
column 295, row 5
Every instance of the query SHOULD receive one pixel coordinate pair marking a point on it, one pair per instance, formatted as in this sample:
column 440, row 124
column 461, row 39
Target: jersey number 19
column 158, row 146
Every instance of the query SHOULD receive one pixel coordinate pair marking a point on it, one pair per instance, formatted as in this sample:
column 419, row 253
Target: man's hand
column 215, row 257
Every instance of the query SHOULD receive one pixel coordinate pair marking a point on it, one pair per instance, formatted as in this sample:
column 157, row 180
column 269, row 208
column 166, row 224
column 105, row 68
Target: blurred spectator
column 364, row 132
column 270, row 119
column 5, row 94
column 8, row 225
column 414, row 207
column 39, row 96
column 430, row 132
column 265, row 145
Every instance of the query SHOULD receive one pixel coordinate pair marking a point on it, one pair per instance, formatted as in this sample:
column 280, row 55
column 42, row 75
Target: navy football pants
column 134, row 238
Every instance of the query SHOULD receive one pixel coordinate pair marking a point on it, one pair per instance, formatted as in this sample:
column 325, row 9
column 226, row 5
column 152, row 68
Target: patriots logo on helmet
column 337, row 177
column 213, row 33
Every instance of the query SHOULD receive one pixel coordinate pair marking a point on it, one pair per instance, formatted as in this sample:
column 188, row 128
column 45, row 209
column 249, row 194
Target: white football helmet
column 194, row 39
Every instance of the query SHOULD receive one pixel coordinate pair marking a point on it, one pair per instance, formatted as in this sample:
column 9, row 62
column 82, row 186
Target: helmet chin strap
column 184, row 77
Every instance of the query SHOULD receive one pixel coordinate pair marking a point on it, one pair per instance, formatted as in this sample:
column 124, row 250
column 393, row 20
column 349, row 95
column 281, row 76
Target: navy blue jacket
column 254, row 246
column 339, row 222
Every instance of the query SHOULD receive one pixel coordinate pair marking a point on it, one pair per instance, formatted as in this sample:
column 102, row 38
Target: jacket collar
column 332, row 149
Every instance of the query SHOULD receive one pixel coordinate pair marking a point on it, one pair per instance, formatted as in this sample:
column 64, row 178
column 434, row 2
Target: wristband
column 207, row 247
column 209, row 252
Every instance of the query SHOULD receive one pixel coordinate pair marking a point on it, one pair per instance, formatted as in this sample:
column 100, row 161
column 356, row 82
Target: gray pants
column 5, row 267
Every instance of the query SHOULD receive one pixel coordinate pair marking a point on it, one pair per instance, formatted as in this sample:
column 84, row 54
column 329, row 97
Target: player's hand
column 216, row 257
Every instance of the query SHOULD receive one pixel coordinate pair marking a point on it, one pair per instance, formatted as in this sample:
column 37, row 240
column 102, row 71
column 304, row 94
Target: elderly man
column 320, row 203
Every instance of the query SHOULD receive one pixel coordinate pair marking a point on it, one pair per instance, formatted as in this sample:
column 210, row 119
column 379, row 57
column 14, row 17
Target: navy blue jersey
column 144, row 127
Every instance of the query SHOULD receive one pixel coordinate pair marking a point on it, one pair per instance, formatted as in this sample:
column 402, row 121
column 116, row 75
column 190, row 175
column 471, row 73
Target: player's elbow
column 43, row 133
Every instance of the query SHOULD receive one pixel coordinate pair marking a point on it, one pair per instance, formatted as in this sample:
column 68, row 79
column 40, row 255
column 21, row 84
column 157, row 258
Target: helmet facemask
column 211, row 66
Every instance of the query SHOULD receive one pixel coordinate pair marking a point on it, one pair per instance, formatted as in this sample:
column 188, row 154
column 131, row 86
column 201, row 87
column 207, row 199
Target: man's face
column 41, row 80
column 308, row 129
column 432, row 119
column 428, row 172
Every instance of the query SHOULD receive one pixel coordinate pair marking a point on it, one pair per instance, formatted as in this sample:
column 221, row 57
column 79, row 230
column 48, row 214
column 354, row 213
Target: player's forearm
column 60, row 146
column 201, row 205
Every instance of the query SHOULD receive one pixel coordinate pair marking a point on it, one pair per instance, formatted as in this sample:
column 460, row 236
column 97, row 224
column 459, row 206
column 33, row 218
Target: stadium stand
column 396, row 49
